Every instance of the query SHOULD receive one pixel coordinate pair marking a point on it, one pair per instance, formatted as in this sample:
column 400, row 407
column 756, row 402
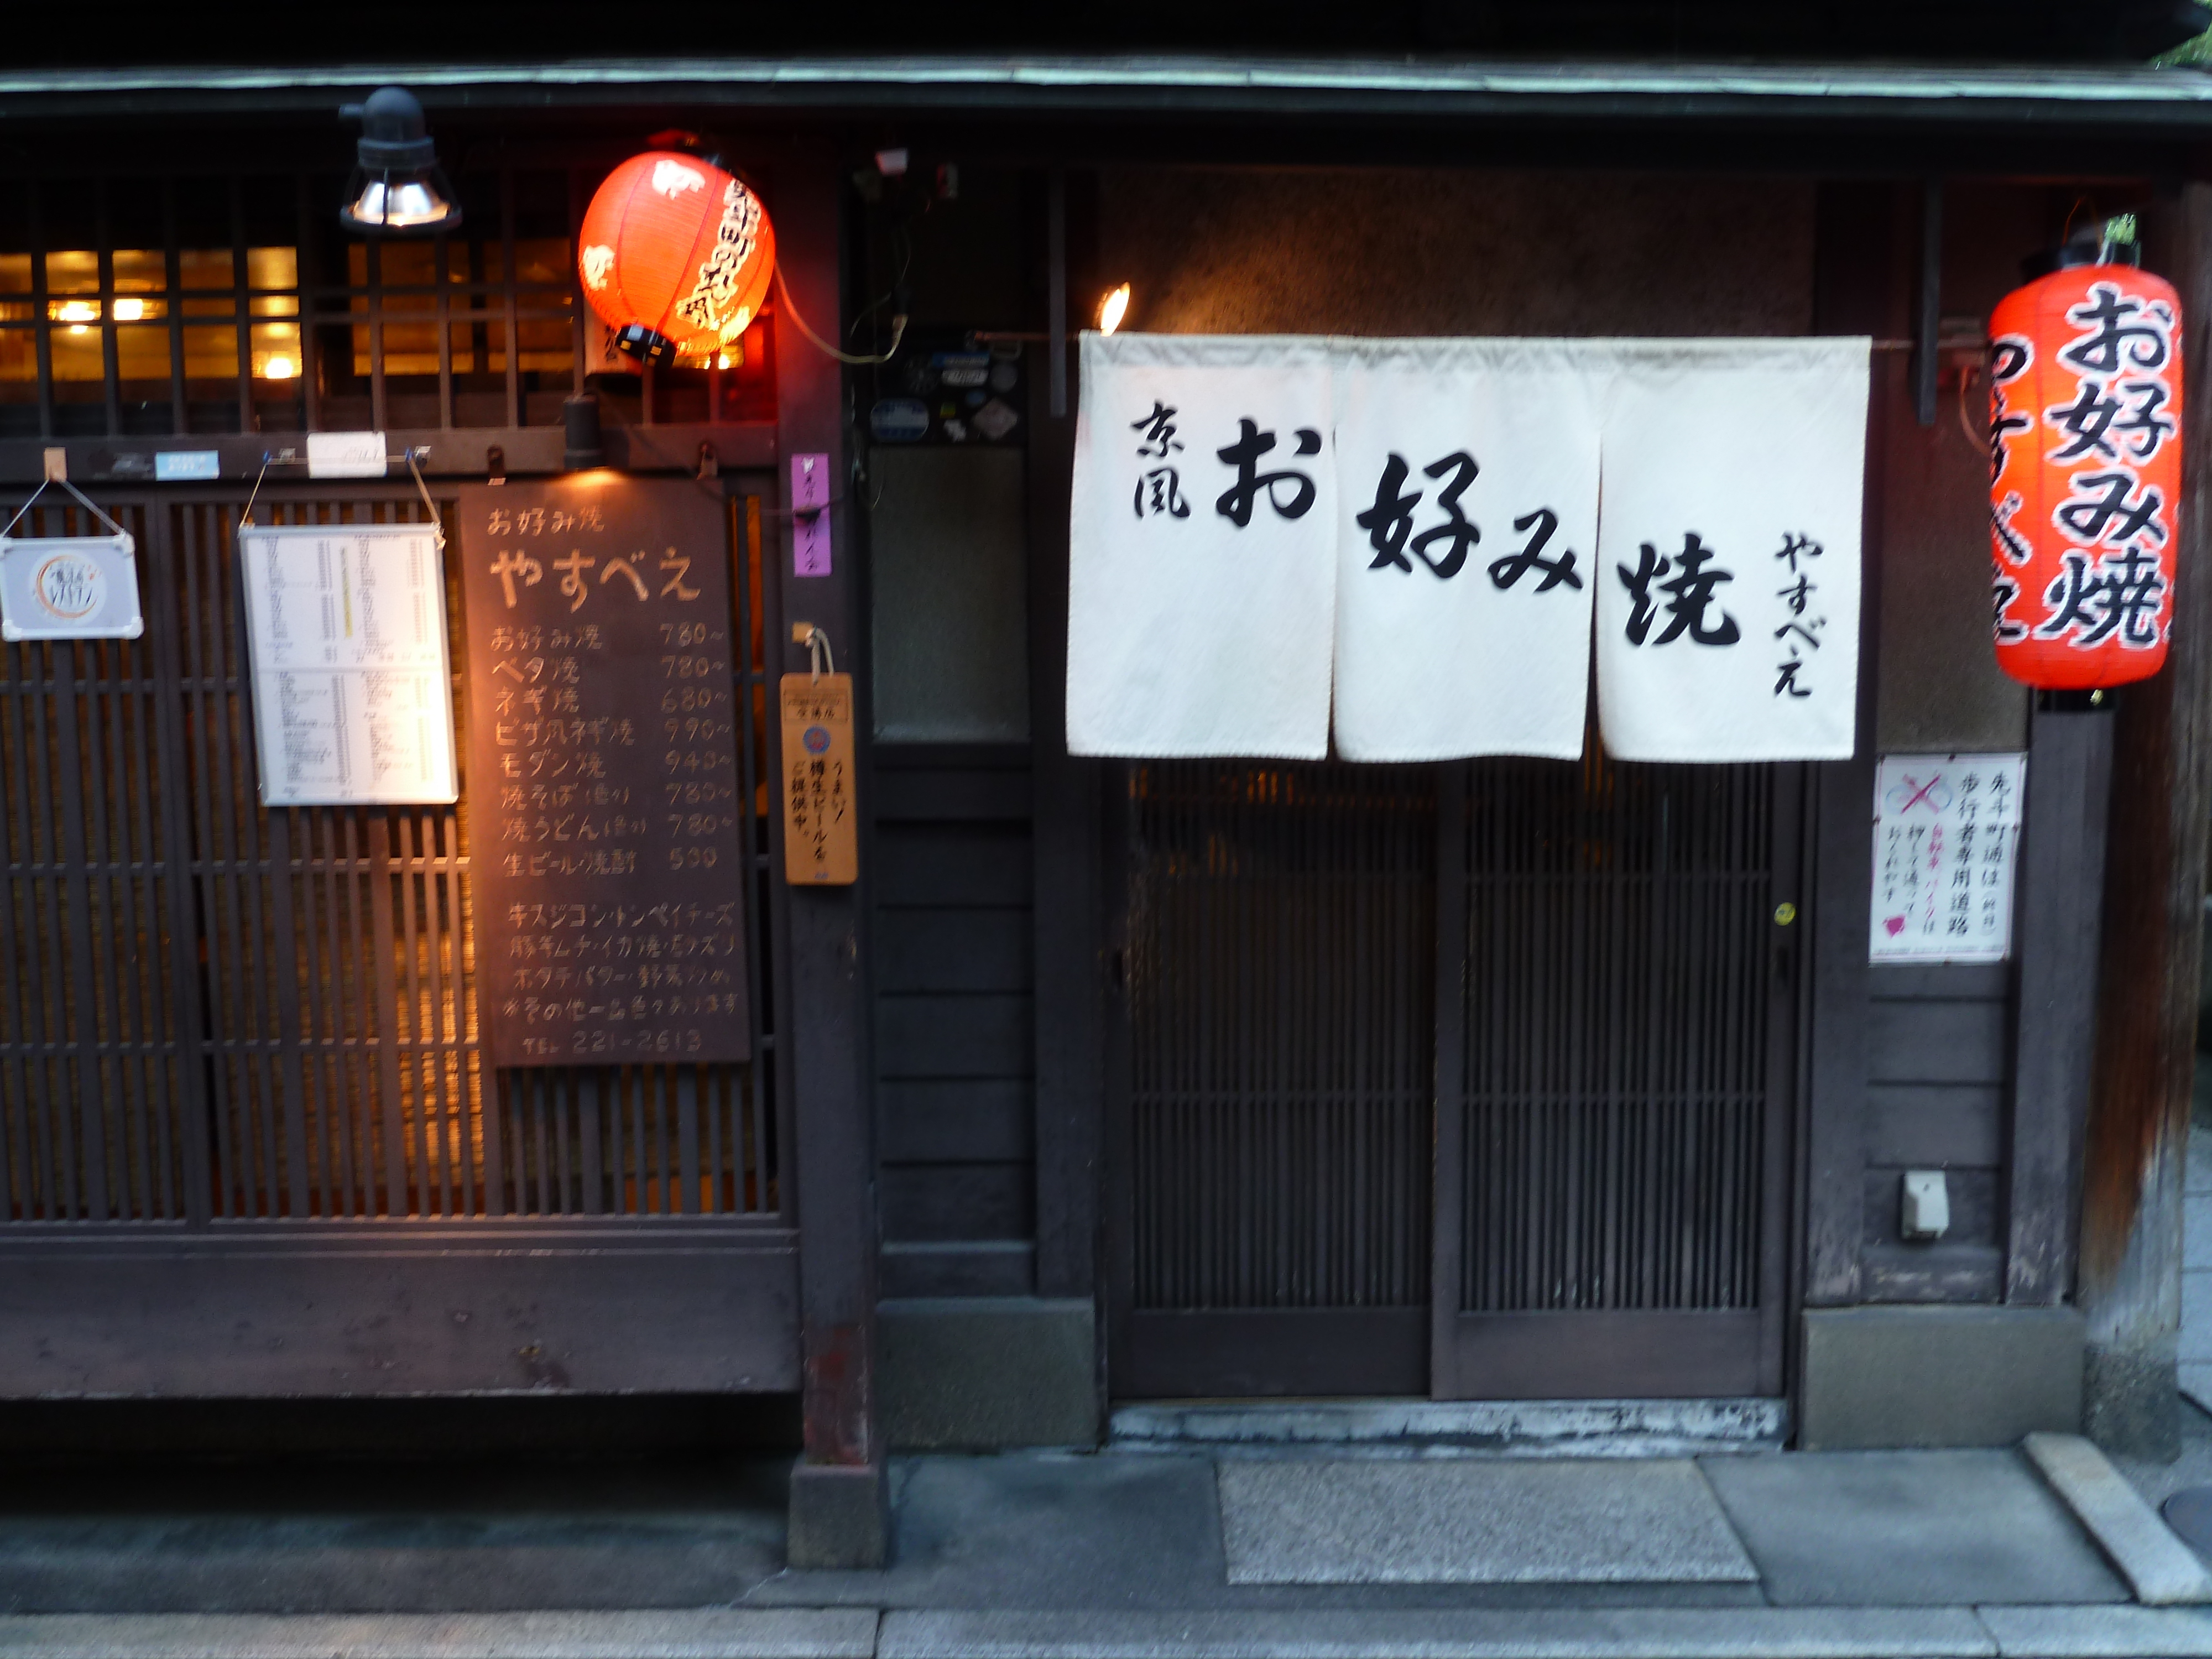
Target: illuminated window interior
column 233, row 304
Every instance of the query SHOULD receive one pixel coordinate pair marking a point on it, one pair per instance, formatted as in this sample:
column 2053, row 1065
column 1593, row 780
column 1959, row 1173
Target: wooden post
column 2069, row 769
column 838, row 1516
column 1069, row 974
column 2131, row 1248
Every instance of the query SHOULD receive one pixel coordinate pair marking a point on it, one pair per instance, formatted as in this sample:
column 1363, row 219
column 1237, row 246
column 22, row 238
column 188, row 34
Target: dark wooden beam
column 1854, row 292
column 1070, row 981
column 2131, row 1203
column 2070, row 774
column 837, row 1513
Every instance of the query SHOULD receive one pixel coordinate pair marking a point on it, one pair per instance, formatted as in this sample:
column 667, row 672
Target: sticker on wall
column 1946, row 834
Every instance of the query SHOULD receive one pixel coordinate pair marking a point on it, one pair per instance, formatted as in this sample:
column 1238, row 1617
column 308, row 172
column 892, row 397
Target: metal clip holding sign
column 69, row 587
column 347, row 456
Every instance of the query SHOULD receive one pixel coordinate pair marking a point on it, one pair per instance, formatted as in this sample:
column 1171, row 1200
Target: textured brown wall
column 1457, row 253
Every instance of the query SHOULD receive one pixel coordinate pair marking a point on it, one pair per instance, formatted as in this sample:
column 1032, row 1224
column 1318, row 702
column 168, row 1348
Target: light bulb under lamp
column 1112, row 308
column 278, row 368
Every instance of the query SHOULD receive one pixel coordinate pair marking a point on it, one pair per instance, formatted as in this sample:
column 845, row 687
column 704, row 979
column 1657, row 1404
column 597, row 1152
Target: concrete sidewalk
column 1097, row 1556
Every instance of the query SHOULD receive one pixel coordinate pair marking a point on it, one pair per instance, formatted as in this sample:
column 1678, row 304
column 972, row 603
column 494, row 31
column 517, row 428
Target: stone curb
column 2162, row 1570
column 684, row 1633
column 1627, row 1633
column 2106, row 1632
column 1952, row 1632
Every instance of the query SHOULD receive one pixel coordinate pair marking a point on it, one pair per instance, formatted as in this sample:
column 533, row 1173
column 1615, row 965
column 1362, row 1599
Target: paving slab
column 712, row 1633
column 1633, row 1633
column 1918, row 1528
column 1475, row 1522
column 2046, row 1632
column 318, row 1538
column 1059, row 1531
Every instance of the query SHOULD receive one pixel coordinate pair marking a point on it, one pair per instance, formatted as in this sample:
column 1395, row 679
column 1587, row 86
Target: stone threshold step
column 1401, row 1428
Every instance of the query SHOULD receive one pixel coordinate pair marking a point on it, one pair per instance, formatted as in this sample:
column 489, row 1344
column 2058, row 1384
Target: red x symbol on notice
column 1920, row 794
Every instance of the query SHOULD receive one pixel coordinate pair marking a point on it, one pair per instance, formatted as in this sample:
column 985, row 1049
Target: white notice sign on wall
column 352, row 694
column 1946, row 830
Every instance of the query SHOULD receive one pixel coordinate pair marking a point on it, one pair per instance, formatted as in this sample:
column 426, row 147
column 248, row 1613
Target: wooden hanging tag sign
column 821, row 820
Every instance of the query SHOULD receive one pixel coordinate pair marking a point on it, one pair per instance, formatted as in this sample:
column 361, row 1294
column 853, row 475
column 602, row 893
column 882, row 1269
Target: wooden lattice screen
column 212, row 1012
column 1615, row 1082
column 1281, row 1010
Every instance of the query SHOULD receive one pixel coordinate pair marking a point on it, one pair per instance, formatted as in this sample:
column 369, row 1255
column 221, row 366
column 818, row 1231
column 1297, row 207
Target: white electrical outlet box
column 1926, row 1210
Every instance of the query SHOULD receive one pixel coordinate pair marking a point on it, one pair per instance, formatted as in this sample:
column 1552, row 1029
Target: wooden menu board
column 608, row 876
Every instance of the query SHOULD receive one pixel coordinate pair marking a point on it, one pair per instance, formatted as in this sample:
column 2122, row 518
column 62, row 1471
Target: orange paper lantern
column 2085, row 474
column 675, row 256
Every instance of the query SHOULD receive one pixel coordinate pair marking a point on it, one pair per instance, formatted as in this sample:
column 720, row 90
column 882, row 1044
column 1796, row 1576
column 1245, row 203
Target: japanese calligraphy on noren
column 352, row 692
column 1728, row 609
column 610, row 886
column 1451, row 489
column 1945, row 833
column 1467, row 529
column 1202, row 563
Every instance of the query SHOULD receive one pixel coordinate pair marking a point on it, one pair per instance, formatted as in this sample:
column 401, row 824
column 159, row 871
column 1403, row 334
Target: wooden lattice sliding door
column 1280, row 995
column 243, row 1044
column 1614, row 1066
column 1470, row 1080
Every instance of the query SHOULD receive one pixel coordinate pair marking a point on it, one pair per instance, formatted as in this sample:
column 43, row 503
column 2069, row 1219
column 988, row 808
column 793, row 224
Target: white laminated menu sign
column 1946, row 832
column 352, row 694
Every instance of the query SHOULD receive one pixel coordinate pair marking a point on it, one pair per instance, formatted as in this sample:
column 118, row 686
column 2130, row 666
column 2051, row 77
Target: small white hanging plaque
column 1946, row 829
column 69, row 587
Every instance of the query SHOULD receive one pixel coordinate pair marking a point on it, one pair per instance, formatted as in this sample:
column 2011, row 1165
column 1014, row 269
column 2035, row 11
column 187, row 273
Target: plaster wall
column 1416, row 252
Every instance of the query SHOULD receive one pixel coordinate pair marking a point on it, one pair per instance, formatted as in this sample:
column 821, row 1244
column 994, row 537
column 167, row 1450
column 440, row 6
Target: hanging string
column 437, row 526
column 817, row 649
column 84, row 501
column 245, row 519
column 898, row 328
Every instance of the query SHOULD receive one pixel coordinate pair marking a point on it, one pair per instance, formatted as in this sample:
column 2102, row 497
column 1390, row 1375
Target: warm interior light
column 278, row 368
column 130, row 310
column 1112, row 308
column 77, row 311
column 722, row 359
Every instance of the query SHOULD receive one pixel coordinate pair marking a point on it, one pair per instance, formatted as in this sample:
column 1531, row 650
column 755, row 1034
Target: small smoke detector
column 1925, row 1212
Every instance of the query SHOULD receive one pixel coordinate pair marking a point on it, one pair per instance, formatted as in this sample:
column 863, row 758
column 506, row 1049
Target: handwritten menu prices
column 352, row 691
column 604, row 797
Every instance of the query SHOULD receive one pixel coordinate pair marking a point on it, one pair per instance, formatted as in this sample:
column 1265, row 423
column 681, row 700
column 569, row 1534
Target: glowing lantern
column 675, row 256
column 2085, row 473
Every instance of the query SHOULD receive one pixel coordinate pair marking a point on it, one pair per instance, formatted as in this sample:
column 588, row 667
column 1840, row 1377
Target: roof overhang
column 2175, row 101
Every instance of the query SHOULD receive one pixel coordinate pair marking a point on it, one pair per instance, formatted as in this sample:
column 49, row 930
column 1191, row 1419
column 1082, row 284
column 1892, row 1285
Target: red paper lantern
column 2085, row 474
column 675, row 256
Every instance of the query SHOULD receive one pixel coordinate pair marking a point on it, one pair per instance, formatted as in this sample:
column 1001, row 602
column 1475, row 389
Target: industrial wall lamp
column 397, row 188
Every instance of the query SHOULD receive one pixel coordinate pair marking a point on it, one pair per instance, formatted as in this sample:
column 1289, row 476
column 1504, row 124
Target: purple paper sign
column 810, row 515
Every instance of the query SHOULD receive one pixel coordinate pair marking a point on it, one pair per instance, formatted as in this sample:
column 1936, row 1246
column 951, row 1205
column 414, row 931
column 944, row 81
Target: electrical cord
column 898, row 330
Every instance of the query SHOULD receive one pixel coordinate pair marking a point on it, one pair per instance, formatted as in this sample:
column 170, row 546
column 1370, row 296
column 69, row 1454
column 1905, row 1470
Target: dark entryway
column 1583, row 965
